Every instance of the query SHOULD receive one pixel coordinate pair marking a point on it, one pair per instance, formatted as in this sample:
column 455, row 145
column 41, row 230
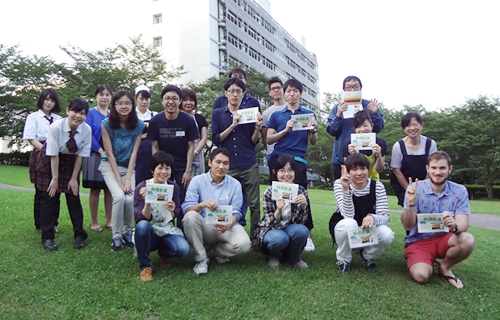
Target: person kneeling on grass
column 209, row 191
column 154, row 229
column 437, row 195
column 361, row 202
column 282, row 229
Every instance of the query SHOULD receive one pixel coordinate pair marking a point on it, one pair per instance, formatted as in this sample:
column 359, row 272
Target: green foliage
column 22, row 78
column 319, row 155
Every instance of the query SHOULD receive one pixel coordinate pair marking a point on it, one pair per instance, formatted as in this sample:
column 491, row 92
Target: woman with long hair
column 35, row 131
column 121, row 136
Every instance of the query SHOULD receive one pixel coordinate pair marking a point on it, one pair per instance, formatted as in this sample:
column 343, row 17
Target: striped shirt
column 346, row 205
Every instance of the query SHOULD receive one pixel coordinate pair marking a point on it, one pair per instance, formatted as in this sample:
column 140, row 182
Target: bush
column 15, row 158
column 477, row 192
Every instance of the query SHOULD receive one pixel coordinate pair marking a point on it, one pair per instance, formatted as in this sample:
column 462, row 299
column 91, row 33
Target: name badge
column 223, row 197
column 180, row 133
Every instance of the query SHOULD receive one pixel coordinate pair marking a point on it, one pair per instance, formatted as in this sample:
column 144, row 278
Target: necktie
column 71, row 144
column 50, row 120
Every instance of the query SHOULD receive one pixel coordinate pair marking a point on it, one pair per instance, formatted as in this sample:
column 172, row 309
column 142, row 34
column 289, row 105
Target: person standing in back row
column 341, row 127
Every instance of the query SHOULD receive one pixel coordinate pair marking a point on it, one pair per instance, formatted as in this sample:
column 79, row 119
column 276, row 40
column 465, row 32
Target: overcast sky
column 434, row 53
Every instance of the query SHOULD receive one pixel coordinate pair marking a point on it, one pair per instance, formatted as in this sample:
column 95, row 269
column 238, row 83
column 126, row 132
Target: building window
column 157, row 42
column 157, row 18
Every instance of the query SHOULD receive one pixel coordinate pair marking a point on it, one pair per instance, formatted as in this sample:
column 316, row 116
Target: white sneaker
column 309, row 245
column 201, row 268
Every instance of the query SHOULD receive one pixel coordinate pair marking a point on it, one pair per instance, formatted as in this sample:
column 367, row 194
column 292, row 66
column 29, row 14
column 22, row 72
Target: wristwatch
column 455, row 229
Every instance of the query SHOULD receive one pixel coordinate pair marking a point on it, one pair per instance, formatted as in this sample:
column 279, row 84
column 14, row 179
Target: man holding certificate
column 340, row 120
column 447, row 204
column 362, row 209
column 212, row 209
column 237, row 129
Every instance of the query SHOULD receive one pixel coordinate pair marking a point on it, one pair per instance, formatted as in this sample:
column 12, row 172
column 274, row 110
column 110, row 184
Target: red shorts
column 427, row 250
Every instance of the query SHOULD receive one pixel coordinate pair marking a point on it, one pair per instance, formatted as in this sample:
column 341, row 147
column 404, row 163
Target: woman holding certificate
column 121, row 136
column 154, row 229
column 409, row 155
column 282, row 231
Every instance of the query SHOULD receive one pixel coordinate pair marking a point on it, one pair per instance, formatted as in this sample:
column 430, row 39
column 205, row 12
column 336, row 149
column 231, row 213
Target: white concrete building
column 204, row 35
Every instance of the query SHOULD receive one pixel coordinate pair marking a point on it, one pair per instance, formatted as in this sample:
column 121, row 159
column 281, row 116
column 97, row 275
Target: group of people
column 124, row 147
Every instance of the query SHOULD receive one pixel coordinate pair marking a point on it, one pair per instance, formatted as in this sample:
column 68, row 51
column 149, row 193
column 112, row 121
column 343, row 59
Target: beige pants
column 198, row 233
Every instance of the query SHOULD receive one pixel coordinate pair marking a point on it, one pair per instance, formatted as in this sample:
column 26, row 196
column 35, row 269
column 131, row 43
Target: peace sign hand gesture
column 345, row 179
column 411, row 192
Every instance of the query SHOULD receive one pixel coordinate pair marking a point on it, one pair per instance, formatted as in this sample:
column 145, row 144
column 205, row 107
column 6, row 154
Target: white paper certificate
column 223, row 215
column 431, row 222
column 302, row 121
column 248, row 115
column 159, row 193
column 363, row 141
column 359, row 238
column 286, row 191
column 354, row 103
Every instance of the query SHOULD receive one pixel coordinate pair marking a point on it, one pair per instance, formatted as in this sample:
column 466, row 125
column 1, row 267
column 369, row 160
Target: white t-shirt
column 267, row 115
column 397, row 155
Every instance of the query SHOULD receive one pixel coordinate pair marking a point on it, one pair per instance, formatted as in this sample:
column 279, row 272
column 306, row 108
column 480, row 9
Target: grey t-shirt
column 397, row 155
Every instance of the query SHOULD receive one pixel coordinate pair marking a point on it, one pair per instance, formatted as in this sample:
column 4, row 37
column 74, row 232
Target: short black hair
column 439, row 155
column 101, row 88
column 294, row 83
column 360, row 117
column 49, row 92
column 114, row 118
column 78, row 104
column 274, row 80
column 281, row 162
column 235, row 81
column 406, row 119
column 356, row 160
column 162, row 157
column 171, row 87
column 144, row 94
column 349, row 78
column 217, row 151
column 237, row 70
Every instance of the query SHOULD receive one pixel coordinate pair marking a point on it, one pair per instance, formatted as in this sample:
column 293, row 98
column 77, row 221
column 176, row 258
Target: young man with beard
column 437, row 195
column 240, row 140
column 211, row 190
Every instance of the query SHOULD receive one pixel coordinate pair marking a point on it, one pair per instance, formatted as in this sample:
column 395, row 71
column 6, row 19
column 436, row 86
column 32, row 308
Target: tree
column 319, row 155
column 22, row 78
column 121, row 68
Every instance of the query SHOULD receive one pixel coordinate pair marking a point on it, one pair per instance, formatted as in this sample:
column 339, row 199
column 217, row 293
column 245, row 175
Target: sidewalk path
column 481, row 220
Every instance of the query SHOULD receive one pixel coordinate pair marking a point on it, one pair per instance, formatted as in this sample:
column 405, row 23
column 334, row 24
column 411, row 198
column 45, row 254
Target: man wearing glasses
column 240, row 140
column 276, row 92
column 246, row 102
column 341, row 128
column 174, row 132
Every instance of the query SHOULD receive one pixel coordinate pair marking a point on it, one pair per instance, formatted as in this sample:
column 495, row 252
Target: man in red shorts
column 451, row 200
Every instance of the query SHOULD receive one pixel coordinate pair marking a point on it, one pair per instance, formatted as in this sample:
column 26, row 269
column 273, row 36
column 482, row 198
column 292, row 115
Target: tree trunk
column 489, row 191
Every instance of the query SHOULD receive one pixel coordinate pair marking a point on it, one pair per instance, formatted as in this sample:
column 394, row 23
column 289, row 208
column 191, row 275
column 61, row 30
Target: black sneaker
column 127, row 238
column 370, row 264
column 79, row 242
column 344, row 266
column 117, row 244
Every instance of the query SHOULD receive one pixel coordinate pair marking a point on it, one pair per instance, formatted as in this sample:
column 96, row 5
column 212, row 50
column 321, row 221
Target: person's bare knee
column 421, row 272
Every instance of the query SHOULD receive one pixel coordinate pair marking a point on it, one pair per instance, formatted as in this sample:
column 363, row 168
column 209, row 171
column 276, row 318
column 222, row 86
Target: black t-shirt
column 173, row 136
column 201, row 121
column 379, row 141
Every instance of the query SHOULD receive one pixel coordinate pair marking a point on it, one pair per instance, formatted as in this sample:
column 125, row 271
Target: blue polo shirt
column 238, row 142
column 293, row 143
column 454, row 198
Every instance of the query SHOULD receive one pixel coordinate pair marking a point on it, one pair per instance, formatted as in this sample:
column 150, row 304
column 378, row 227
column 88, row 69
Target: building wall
column 204, row 36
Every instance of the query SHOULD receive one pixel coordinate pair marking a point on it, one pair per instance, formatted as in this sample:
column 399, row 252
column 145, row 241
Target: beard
column 442, row 180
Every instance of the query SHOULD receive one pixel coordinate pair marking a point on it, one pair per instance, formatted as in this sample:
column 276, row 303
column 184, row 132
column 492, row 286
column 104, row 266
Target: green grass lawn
column 96, row 283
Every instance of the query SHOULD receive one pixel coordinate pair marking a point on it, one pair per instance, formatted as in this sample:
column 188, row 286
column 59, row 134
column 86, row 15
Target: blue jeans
column 146, row 241
column 293, row 238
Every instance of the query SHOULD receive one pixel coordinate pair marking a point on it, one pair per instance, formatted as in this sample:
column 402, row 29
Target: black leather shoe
column 49, row 244
column 79, row 243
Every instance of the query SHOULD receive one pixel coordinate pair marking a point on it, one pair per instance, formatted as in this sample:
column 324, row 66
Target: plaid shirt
column 269, row 222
